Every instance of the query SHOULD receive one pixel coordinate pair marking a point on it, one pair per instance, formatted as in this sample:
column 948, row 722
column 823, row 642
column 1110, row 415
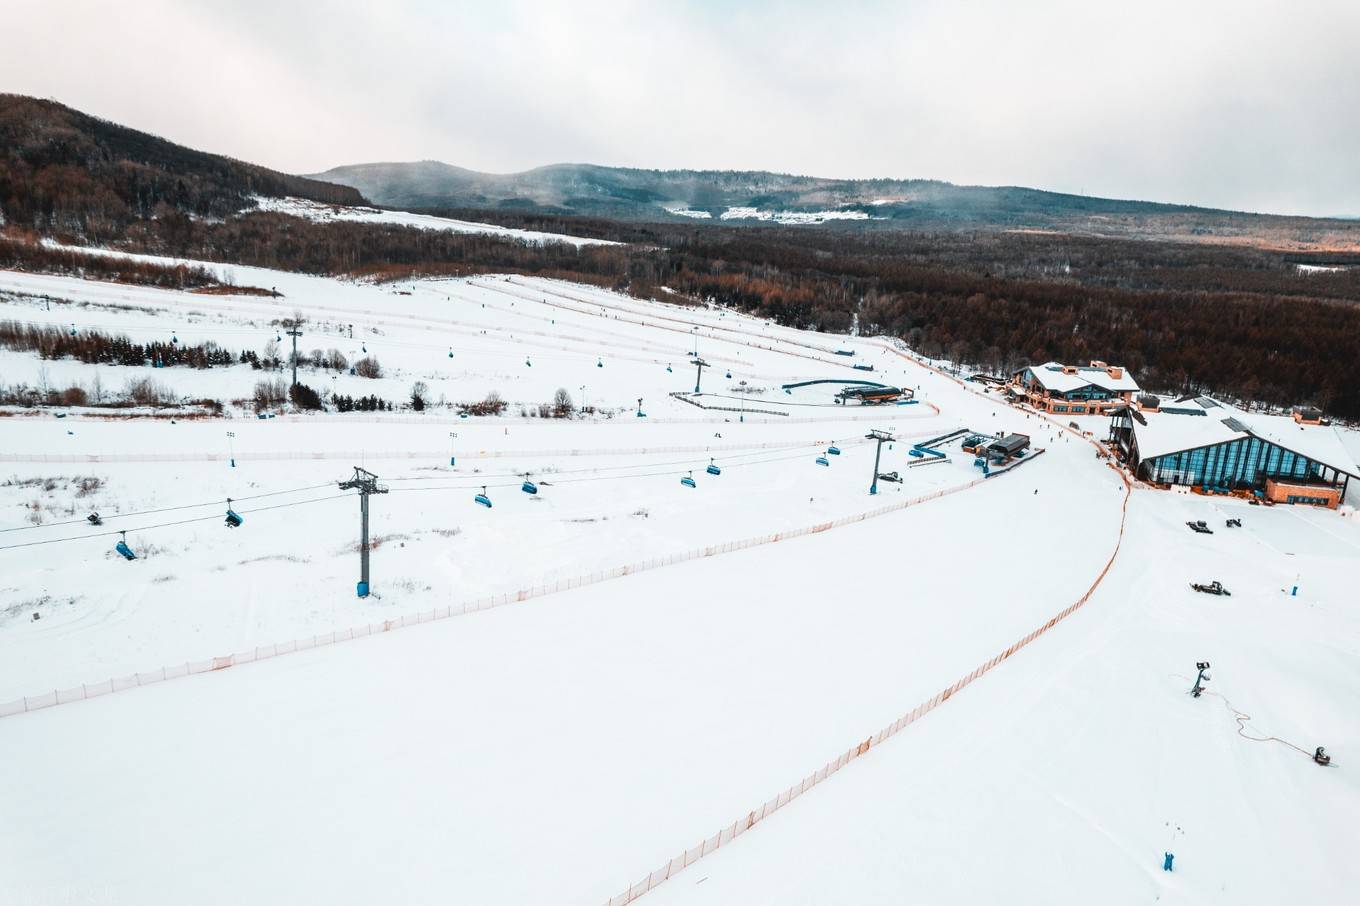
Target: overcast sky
column 1247, row 105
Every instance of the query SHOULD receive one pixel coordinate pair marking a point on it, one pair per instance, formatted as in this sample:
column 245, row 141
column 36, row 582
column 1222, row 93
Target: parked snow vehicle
column 1213, row 588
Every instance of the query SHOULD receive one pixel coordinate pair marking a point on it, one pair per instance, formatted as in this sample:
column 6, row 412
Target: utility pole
column 294, row 333
column 880, row 436
column 366, row 483
column 702, row 364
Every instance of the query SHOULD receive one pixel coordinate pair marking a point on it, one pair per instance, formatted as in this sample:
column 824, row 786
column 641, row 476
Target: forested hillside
column 63, row 170
column 1238, row 322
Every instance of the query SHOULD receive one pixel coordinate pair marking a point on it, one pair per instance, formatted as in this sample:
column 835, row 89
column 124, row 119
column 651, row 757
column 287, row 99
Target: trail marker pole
column 366, row 483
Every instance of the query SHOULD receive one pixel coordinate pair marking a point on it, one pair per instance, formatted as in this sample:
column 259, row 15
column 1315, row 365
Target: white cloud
column 1242, row 104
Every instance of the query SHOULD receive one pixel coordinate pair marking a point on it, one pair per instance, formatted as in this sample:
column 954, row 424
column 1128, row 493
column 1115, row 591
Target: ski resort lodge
column 1215, row 448
column 1094, row 389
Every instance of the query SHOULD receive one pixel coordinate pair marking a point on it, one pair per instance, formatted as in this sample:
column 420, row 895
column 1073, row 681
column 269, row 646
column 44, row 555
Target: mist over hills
column 648, row 194
column 747, row 197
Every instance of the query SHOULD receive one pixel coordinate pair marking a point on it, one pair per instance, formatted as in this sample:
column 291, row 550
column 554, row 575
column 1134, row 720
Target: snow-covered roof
column 1160, row 433
column 1051, row 376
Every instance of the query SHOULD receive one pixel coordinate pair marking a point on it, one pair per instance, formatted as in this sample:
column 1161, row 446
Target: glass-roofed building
column 1202, row 443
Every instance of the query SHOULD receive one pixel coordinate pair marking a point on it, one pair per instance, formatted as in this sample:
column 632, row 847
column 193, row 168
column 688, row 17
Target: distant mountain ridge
column 649, row 194
column 754, row 197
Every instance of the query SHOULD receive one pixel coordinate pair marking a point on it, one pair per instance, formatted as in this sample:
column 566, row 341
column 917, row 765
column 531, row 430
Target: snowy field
column 330, row 213
column 560, row 747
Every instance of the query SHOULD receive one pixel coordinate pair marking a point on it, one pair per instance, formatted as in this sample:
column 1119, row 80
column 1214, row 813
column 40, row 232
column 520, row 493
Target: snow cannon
column 1201, row 679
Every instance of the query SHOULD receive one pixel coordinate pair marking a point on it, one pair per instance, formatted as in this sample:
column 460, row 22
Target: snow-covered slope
column 325, row 213
column 563, row 744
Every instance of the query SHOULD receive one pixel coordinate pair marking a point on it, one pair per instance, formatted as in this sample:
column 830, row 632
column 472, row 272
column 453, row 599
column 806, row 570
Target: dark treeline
column 66, row 172
column 289, row 243
column 368, row 403
column 94, row 348
column 30, row 255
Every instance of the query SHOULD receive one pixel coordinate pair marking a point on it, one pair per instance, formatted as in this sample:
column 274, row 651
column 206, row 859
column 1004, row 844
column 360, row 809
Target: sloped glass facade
column 1242, row 463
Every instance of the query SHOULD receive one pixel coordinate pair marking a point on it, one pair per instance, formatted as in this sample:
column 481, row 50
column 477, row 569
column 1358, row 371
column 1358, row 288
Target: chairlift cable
column 168, row 509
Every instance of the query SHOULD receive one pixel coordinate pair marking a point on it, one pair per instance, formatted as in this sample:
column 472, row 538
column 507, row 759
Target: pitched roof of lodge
column 1202, row 422
column 1052, row 377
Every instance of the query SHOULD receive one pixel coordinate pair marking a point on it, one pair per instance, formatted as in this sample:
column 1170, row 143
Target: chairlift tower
column 294, row 333
column 880, row 436
column 366, row 483
column 702, row 365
